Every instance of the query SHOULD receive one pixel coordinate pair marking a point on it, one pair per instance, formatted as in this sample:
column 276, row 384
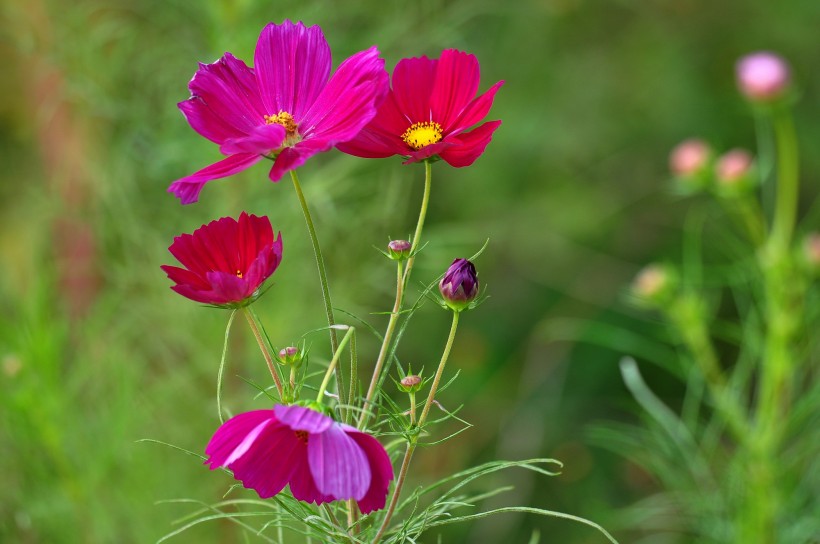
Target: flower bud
column 811, row 251
column 398, row 250
column 689, row 161
column 653, row 284
column 290, row 356
column 763, row 76
column 734, row 171
column 459, row 286
column 410, row 384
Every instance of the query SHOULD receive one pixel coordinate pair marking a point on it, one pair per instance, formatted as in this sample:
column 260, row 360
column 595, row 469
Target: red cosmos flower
column 226, row 261
column 428, row 112
column 285, row 108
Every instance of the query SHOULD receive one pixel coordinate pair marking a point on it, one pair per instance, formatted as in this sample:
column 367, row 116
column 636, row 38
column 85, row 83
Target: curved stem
column 332, row 366
column 787, row 182
column 264, row 348
column 401, row 284
column 411, row 446
column 221, row 372
column 320, row 265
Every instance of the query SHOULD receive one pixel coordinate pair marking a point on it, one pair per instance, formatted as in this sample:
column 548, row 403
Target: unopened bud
column 734, row 170
column 811, row 251
column 689, row 161
column 410, row 384
column 399, row 250
column 653, row 283
column 459, row 286
column 763, row 76
column 290, row 356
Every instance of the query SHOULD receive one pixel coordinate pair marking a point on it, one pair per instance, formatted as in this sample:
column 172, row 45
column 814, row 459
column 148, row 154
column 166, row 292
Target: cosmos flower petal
column 469, row 145
column 300, row 418
column 206, row 122
column 475, row 111
column 349, row 101
column 229, row 91
column 262, row 140
column 187, row 189
column 231, row 434
column 261, row 467
column 181, row 275
column 381, row 470
column 381, row 138
column 230, row 286
column 292, row 65
column 302, row 484
column 338, row 464
column 413, row 81
column 456, row 83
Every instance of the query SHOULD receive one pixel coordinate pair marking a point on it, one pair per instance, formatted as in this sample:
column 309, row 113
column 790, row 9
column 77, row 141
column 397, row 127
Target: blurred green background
column 97, row 353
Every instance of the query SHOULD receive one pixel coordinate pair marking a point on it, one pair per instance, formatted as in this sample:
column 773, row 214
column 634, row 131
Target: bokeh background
column 97, row 353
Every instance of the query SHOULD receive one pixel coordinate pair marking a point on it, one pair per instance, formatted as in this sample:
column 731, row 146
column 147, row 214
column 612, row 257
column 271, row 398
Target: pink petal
column 302, row 485
column 231, row 434
column 382, row 136
column 229, row 91
column 338, row 464
column 185, row 277
column 292, row 158
column 349, row 101
column 300, row 418
column 187, row 189
column 381, row 470
column 292, row 66
column 426, row 152
column 457, row 78
column 262, row 140
column 229, row 287
column 207, row 123
column 413, row 83
column 475, row 111
column 269, row 463
column 205, row 296
column 468, row 146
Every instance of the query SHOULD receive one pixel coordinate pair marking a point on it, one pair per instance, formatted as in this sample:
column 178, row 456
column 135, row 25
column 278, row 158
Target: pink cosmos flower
column 226, row 261
column 320, row 459
column 428, row 113
column 285, row 108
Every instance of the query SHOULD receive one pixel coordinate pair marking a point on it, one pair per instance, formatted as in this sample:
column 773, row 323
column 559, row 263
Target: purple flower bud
column 459, row 286
column 290, row 356
column 410, row 384
column 399, row 249
column 762, row 76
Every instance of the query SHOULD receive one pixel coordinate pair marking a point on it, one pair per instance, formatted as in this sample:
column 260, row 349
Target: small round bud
column 290, row 356
column 763, row 76
column 399, row 250
column 690, row 163
column 459, row 286
column 410, row 384
column 653, row 284
column 734, row 170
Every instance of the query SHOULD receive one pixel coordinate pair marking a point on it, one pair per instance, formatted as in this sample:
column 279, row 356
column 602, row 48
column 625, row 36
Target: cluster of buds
column 291, row 356
column 695, row 169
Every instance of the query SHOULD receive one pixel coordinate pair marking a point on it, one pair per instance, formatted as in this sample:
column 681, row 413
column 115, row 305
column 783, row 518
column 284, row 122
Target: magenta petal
column 292, row 158
column 231, row 434
column 468, row 146
column 427, row 151
column 187, row 189
column 302, row 485
column 382, row 136
column 229, row 90
column 229, row 287
column 413, row 81
column 268, row 465
column 457, row 78
column 207, row 123
column 475, row 111
column 300, row 418
column 338, row 464
column 381, row 470
column 292, row 66
column 263, row 140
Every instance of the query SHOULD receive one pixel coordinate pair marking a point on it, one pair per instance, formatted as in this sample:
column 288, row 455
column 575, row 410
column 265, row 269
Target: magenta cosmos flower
column 285, row 108
column 320, row 459
column 226, row 261
column 428, row 111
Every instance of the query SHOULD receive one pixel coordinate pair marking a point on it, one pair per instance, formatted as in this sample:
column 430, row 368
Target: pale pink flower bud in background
column 689, row 157
column 762, row 76
column 733, row 166
column 811, row 250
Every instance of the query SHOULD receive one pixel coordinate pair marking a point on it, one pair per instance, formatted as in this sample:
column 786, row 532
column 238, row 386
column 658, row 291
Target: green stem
column 401, row 284
column 265, row 352
column 785, row 211
column 320, row 265
column 411, row 446
column 332, row 366
column 221, row 372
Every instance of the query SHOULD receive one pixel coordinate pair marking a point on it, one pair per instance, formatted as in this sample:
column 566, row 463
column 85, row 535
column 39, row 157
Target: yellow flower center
column 238, row 273
column 286, row 120
column 421, row 135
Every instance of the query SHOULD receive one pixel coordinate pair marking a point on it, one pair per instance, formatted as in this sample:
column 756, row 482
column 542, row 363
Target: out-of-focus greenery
column 97, row 353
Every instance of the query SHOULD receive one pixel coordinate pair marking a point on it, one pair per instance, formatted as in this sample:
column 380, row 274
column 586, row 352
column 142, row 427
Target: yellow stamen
column 285, row 119
column 302, row 435
column 238, row 273
column 421, row 135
